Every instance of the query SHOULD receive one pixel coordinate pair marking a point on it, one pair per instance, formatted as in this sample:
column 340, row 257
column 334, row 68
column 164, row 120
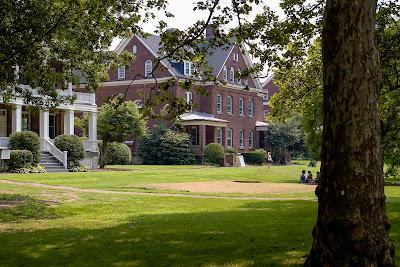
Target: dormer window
column 121, row 72
column 225, row 73
column 134, row 49
column 232, row 75
column 188, row 68
column 148, row 69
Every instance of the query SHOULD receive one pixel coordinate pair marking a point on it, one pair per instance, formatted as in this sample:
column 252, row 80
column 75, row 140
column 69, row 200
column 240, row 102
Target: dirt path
column 235, row 187
column 101, row 191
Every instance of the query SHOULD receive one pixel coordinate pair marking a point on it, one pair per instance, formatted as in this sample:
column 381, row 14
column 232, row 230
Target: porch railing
column 91, row 146
column 58, row 154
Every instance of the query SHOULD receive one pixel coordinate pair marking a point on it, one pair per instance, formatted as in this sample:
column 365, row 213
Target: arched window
column 148, row 69
column 225, row 73
column 232, row 75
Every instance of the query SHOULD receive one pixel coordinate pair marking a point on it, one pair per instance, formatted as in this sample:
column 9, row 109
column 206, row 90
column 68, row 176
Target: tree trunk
column 352, row 226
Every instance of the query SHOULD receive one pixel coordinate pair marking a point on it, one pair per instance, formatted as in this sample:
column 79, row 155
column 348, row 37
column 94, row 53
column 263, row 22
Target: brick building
column 228, row 115
column 269, row 88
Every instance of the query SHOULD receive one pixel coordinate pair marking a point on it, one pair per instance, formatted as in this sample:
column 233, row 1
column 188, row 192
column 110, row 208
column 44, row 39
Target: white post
column 69, row 122
column 17, row 118
column 44, row 124
column 69, row 88
column 93, row 130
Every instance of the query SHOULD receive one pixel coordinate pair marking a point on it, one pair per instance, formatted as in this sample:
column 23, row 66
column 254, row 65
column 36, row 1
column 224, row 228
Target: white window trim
column 241, row 106
column 241, row 138
column 219, row 103
column 251, row 139
column 188, row 68
column 232, row 75
column 229, row 137
column 219, row 135
column 229, row 105
column 189, row 99
column 250, row 108
column 121, row 70
column 225, row 73
column 239, row 80
column 134, row 49
column 148, row 69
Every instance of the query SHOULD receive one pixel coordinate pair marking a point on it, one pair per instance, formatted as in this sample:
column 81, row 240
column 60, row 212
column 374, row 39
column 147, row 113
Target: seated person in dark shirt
column 317, row 178
column 309, row 179
column 303, row 177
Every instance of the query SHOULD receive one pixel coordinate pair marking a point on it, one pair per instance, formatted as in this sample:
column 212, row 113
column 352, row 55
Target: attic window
column 239, row 79
column 232, row 75
column 134, row 49
column 225, row 73
column 236, row 56
column 148, row 69
column 188, row 68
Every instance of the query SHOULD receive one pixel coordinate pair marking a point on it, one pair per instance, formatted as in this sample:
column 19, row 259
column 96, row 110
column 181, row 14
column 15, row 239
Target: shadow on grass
column 255, row 234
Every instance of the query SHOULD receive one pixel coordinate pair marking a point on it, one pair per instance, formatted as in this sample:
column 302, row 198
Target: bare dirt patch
column 235, row 187
column 6, row 204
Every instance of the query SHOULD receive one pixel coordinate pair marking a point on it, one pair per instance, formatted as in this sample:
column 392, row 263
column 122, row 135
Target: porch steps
column 50, row 163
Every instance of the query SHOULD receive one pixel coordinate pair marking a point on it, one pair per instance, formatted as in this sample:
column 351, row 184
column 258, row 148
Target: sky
column 185, row 16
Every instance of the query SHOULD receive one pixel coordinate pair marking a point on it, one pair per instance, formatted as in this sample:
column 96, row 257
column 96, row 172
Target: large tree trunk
column 352, row 226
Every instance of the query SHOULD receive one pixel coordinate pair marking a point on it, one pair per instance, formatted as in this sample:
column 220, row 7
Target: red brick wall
column 272, row 89
column 136, row 66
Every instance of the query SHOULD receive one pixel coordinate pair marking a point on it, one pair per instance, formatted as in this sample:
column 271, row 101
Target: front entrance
column 52, row 126
column 3, row 123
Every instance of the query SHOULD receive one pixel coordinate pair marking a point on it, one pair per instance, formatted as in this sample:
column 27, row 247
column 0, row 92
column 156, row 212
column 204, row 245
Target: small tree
column 118, row 121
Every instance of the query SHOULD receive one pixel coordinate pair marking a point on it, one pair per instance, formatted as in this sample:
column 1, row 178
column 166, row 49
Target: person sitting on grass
column 309, row 179
column 317, row 178
column 303, row 176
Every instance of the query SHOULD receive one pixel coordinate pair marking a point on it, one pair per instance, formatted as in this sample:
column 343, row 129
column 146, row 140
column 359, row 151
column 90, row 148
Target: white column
column 44, row 124
column 92, row 126
column 69, row 88
column 69, row 122
column 17, row 118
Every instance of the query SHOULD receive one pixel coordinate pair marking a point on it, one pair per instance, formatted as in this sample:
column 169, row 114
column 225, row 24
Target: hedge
column 214, row 154
column 20, row 159
column 166, row 147
column 73, row 145
column 26, row 140
column 256, row 157
column 118, row 154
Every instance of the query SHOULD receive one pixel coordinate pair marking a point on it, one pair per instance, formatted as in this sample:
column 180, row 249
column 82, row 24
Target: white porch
column 15, row 116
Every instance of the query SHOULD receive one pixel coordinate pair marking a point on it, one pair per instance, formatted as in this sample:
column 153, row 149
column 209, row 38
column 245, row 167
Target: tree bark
column 352, row 226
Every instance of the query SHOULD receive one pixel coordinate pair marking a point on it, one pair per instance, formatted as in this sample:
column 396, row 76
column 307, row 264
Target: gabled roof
column 215, row 58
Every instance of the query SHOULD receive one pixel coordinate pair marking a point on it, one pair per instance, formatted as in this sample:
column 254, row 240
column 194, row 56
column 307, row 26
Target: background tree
column 116, row 122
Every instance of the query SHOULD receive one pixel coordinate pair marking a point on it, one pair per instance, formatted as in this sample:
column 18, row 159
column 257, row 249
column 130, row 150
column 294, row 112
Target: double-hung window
column 239, row 79
column 188, row 68
column 241, row 138
column 251, row 108
column 229, row 137
column 229, row 108
column 148, row 69
column 225, row 73
column 241, row 106
column 26, row 121
column 232, row 75
column 121, row 72
column 189, row 99
column 251, row 139
column 219, row 136
column 219, row 103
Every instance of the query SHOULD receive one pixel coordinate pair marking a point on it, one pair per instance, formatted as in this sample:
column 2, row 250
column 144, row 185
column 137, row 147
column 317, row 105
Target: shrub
column 230, row 150
column 73, row 145
column 312, row 163
column 118, row 154
column 31, row 169
column 20, row 159
column 256, row 157
column 26, row 140
column 166, row 147
column 214, row 154
column 78, row 168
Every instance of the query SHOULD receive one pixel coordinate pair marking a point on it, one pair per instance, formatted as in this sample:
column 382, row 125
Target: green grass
column 55, row 227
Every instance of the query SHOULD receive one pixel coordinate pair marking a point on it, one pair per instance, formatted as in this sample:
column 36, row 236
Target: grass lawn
column 54, row 227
